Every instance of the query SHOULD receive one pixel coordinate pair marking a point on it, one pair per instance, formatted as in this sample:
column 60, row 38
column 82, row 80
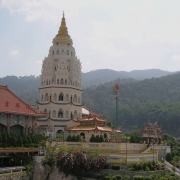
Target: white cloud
column 176, row 58
column 48, row 10
column 39, row 62
column 14, row 53
column 167, row 32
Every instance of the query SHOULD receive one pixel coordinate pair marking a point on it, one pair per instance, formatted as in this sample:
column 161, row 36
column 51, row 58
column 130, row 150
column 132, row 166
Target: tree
column 69, row 138
column 101, row 138
column 168, row 157
column 92, row 139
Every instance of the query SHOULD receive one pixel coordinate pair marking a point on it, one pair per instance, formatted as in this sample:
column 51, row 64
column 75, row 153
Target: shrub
column 107, row 177
column 118, row 177
column 68, row 139
column 98, row 176
column 115, row 167
column 168, row 157
column 137, row 177
column 147, row 178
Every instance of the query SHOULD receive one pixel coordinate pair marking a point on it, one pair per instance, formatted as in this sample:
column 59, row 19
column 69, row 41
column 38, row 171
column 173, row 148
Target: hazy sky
column 122, row 35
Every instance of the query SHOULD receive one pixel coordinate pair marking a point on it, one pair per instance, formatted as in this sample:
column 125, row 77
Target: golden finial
column 63, row 37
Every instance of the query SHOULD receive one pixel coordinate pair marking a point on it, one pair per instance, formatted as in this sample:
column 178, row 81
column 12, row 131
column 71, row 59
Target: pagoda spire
column 63, row 37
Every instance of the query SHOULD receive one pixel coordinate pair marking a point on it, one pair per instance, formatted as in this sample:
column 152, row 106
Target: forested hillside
column 102, row 76
column 155, row 99
column 26, row 87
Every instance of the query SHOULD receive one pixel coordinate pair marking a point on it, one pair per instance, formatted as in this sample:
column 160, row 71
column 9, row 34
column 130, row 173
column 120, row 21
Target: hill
column 102, row 76
column 155, row 99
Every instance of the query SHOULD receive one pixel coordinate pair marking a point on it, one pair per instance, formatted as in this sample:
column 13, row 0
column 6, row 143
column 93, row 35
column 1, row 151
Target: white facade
column 61, row 86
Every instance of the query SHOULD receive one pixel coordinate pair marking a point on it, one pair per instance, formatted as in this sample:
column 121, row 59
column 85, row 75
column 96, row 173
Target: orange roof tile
column 88, row 127
column 11, row 103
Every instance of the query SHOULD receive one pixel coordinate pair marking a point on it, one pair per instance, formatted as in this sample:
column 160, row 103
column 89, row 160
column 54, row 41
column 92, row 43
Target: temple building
column 152, row 133
column 16, row 116
column 61, row 88
column 90, row 123
column 61, row 93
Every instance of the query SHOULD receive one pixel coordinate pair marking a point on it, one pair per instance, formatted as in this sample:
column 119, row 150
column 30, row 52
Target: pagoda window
column 67, row 97
column 62, row 52
column 67, row 114
column 55, row 97
column 78, row 99
column 57, row 52
column 65, row 81
column 54, row 114
column 61, row 97
column 42, row 98
column 67, row 53
column 60, row 114
column 49, row 82
column 58, row 81
column 46, row 82
column 62, row 81
column 46, row 98
column 75, row 98
column 45, row 110
column 53, row 52
column 76, row 83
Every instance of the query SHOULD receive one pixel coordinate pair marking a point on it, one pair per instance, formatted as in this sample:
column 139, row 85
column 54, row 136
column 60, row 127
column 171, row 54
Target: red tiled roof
column 11, row 103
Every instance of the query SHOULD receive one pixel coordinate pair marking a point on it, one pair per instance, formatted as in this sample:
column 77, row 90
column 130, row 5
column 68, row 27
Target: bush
column 168, row 157
column 147, row 178
column 98, row 176
column 115, row 167
column 126, row 177
column 107, row 177
column 137, row 177
column 118, row 177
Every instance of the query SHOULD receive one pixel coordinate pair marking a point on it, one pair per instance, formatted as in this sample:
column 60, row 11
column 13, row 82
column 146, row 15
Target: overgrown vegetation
column 75, row 161
column 174, row 156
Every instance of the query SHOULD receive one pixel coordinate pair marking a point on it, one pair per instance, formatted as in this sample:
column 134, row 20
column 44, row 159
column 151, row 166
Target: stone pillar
column 8, row 123
column 33, row 125
column 26, row 127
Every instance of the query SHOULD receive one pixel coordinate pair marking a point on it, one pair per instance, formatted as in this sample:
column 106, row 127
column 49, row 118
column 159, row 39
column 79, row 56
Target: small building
column 152, row 133
column 90, row 123
column 16, row 116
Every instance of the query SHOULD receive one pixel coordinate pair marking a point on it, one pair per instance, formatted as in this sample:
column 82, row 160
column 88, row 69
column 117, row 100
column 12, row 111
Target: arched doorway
column 17, row 129
column 83, row 135
column 60, row 135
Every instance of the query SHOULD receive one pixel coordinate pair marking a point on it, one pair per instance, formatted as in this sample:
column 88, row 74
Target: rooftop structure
column 16, row 116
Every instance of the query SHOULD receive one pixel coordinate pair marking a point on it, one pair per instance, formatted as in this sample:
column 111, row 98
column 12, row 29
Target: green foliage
column 137, row 177
column 75, row 161
column 115, row 167
column 168, row 157
column 14, row 140
column 92, row 139
column 146, row 166
column 74, row 138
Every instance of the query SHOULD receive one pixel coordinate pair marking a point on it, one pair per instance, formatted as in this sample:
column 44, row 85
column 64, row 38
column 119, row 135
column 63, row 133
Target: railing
column 170, row 167
column 104, row 146
column 12, row 173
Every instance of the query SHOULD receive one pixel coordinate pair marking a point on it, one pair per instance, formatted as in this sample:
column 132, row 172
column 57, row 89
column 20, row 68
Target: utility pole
column 116, row 96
